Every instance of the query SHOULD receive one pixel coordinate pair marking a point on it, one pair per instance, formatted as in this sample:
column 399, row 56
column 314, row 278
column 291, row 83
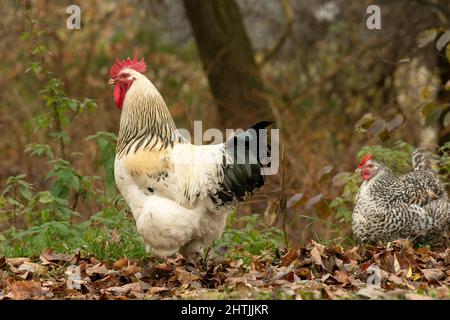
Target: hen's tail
column 420, row 160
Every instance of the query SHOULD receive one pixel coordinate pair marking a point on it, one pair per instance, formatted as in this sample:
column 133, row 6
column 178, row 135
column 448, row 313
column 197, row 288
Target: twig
column 289, row 14
column 58, row 126
column 282, row 202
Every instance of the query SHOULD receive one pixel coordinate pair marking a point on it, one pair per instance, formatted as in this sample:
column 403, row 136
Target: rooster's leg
column 192, row 252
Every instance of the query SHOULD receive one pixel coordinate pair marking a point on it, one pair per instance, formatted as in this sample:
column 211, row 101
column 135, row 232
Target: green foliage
column 397, row 158
column 443, row 161
column 343, row 204
column 40, row 150
column 253, row 238
column 432, row 111
column 106, row 142
column 59, row 111
column 116, row 238
column 44, row 219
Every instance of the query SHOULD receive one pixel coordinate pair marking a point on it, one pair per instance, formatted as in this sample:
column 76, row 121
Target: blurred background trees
column 228, row 61
column 331, row 85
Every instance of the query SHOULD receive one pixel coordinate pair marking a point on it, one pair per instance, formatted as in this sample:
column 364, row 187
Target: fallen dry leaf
column 184, row 276
column 131, row 270
column 49, row 257
column 32, row 267
column 15, row 262
column 158, row 290
column 316, row 258
column 24, row 290
column 125, row 289
column 120, row 264
column 433, row 274
column 415, row 296
column 99, row 268
column 289, row 257
column 372, row 293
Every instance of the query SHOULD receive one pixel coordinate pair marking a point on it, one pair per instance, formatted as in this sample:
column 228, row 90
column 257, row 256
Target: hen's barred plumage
column 414, row 205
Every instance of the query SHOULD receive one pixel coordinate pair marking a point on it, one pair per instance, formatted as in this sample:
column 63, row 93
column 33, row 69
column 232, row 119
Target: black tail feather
column 241, row 179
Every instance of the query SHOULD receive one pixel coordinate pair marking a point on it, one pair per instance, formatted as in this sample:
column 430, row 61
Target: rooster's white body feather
column 165, row 225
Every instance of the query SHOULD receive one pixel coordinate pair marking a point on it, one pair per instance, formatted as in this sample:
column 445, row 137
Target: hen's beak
column 111, row 81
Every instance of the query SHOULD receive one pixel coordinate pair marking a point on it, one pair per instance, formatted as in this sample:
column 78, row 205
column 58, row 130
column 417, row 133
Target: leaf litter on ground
column 393, row 271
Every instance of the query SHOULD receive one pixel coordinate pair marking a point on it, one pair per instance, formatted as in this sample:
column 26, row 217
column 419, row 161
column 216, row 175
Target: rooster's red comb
column 366, row 158
column 134, row 64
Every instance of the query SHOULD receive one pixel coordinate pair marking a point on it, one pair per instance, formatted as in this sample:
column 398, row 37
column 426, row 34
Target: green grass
column 114, row 236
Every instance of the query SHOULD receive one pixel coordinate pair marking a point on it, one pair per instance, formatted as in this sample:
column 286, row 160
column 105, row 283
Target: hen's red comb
column 134, row 64
column 366, row 158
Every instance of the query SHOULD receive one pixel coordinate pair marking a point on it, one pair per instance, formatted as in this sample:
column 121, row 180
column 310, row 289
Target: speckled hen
column 412, row 206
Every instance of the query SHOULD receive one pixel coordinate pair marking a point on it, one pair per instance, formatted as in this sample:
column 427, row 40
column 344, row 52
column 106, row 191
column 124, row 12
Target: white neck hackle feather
column 145, row 120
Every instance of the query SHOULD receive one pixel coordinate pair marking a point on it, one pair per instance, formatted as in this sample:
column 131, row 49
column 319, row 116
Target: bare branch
column 261, row 59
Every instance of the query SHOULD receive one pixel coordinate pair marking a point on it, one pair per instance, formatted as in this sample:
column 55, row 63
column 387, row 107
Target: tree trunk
column 228, row 61
column 443, row 96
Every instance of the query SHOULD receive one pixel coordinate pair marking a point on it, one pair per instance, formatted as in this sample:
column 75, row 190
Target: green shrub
column 253, row 238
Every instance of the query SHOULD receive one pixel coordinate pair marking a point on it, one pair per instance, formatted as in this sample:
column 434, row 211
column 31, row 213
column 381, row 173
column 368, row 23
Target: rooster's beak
column 358, row 170
column 111, row 81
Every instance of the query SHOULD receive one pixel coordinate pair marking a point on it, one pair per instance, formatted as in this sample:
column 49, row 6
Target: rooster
column 179, row 193
column 413, row 205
